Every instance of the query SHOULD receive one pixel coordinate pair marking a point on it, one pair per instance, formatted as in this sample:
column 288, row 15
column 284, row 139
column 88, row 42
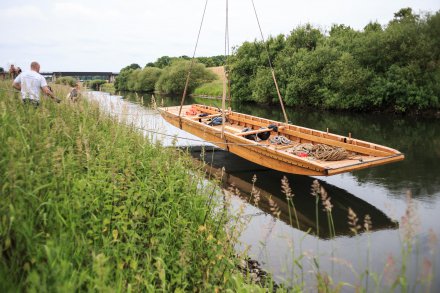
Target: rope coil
column 321, row 152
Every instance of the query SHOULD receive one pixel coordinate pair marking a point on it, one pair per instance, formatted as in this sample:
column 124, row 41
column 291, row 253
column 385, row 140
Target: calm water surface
column 281, row 244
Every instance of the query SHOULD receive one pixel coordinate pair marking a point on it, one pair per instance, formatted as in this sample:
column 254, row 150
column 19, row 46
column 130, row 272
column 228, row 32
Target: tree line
column 168, row 79
column 396, row 67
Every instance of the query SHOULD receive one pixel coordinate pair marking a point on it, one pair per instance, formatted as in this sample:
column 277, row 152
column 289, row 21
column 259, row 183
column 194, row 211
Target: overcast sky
column 80, row 35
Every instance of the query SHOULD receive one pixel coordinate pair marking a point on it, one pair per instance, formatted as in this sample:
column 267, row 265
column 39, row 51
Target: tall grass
column 90, row 204
column 395, row 276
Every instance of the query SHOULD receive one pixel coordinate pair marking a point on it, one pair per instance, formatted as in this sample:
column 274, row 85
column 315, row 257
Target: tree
column 132, row 66
column 304, row 37
column 173, row 77
column 163, row 62
column 148, row 78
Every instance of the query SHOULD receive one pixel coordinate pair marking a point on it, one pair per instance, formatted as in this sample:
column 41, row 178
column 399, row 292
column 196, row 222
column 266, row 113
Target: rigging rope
column 224, row 74
column 227, row 52
column 270, row 65
column 192, row 63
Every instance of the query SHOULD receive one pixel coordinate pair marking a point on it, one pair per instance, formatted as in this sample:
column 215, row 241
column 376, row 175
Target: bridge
column 85, row 75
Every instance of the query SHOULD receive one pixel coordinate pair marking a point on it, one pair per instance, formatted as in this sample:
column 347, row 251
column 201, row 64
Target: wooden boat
column 270, row 153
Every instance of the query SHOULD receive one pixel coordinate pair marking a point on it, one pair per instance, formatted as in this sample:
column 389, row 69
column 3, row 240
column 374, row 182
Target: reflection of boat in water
column 239, row 173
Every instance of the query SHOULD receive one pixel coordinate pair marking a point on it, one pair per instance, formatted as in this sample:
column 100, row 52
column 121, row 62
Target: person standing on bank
column 30, row 83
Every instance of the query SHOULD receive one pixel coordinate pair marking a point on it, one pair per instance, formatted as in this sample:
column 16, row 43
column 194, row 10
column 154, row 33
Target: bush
column 66, row 80
column 173, row 78
column 147, row 79
column 108, row 88
column 94, row 84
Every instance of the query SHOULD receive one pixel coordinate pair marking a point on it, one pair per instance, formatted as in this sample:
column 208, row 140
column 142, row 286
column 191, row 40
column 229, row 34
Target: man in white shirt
column 30, row 83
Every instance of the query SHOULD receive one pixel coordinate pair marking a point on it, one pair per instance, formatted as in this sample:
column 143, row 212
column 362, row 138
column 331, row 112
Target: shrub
column 66, row 80
column 147, row 79
column 94, row 84
column 173, row 78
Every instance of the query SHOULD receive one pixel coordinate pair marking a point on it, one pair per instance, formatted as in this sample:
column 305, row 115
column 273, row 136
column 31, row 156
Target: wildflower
column 410, row 221
column 285, row 188
column 255, row 193
column 315, row 188
column 325, row 199
column 274, row 208
column 426, row 273
column 353, row 221
column 390, row 271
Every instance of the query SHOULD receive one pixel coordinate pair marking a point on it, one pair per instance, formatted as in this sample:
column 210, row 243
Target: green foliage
column 66, row 80
column 173, row 77
column 212, row 61
column 138, row 80
column 133, row 78
column 212, row 89
column 304, row 37
column 165, row 61
column 2, row 70
column 148, row 78
column 95, row 84
column 89, row 204
column 395, row 67
column 108, row 88
column 121, row 81
column 132, row 66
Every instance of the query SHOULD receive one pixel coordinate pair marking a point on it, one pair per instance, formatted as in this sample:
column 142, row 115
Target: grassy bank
column 212, row 89
column 91, row 205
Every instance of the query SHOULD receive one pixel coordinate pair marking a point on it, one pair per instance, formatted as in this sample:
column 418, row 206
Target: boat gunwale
column 306, row 131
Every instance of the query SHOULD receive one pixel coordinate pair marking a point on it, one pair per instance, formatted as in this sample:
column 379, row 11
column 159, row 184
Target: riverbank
column 91, row 204
column 296, row 254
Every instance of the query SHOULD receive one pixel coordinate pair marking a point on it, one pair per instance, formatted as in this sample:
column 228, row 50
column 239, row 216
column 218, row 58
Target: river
column 402, row 199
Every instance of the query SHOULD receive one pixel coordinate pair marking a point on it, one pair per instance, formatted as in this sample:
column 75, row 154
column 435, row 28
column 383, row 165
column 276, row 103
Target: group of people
column 31, row 82
column 14, row 71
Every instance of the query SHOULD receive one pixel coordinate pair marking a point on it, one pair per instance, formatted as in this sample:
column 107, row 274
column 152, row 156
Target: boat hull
column 271, row 156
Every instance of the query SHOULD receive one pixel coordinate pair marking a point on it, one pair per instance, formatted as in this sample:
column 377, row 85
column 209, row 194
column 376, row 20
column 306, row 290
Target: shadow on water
column 239, row 173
